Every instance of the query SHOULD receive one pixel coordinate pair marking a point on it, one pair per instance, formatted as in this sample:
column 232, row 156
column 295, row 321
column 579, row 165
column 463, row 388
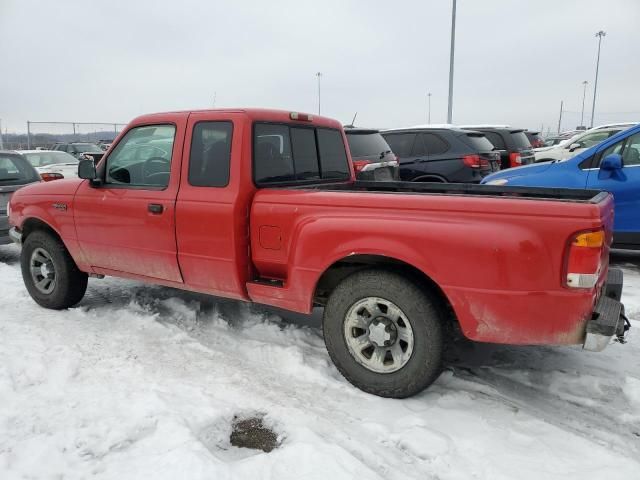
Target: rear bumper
column 607, row 318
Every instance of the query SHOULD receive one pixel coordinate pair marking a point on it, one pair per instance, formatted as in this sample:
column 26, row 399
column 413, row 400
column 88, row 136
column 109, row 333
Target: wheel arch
column 344, row 267
column 33, row 224
column 430, row 178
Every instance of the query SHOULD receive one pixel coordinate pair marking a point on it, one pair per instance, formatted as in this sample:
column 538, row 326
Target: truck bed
column 537, row 193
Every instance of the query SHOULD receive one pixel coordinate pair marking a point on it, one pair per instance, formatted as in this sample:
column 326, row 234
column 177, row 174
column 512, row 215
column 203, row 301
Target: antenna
column 353, row 122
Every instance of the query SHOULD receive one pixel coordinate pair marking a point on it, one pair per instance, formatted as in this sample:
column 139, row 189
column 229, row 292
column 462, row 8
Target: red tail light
column 358, row 165
column 475, row 161
column 515, row 160
column 584, row 259
column 47, row 177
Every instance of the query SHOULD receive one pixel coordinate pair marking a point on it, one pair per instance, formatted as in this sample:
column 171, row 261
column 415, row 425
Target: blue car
column 613, row 165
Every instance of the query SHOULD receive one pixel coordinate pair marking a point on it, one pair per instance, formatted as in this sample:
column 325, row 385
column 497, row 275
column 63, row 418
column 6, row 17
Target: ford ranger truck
column 262, row 206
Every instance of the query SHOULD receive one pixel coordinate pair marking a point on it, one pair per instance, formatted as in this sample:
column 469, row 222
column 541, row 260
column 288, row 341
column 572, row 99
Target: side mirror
column 574, row 146
column 611, row 162
column 87, row 169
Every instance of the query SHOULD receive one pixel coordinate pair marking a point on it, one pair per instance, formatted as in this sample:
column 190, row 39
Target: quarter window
column 210, row 155
column 142, row 158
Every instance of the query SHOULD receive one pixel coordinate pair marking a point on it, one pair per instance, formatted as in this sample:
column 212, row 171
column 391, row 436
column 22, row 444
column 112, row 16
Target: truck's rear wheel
column 49, row 273
column 384, row 333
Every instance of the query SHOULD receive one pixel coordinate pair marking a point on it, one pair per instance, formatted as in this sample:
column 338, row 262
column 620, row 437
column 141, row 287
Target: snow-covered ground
column 143, row 382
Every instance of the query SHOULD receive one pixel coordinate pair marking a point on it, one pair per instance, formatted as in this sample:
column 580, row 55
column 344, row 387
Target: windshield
column 85, row 147
column 367, row 144
column 520, row 140
column 42, row 159
column 14, row 170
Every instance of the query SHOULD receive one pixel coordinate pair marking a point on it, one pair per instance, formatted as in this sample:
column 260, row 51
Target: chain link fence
column 46, row 134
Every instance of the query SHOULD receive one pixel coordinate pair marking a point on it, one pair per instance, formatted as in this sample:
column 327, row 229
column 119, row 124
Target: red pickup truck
column 262, row 206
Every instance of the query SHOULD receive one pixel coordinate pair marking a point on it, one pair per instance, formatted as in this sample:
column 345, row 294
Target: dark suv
column 372, row 157
column 442, row 154
column 80, row 148
column 512, row 143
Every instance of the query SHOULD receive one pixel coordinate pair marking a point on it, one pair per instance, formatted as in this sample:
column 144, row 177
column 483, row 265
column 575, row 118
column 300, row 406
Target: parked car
column 572, row 146
column 512, row 144
column 535, row 139
column 15, row 172
column 393, row 263
column 442, row 154
column 371, row 155
column 612, row 165
column 51, row 164
column 79, row 149
column 552, row 141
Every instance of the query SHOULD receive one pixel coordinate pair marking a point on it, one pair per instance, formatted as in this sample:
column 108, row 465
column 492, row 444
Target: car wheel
column 384, row 334
column 49, row 273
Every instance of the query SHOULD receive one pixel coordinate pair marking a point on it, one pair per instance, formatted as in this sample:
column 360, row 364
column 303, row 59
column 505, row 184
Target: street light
column 429, row 108
column 584, row 94
column 453, row 43
column 318, row 74
column 600, row 34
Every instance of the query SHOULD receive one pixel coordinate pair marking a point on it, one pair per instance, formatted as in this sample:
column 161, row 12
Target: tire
column 417, row 367
column 51, row 260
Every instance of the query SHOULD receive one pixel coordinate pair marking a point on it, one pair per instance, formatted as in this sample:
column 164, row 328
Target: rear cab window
column 284, row 153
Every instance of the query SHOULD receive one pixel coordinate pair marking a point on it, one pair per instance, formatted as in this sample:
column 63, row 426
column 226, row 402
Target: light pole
column 600, row 34
column 319, row 74
column 453, row 43
column 584, row 94
column 429, row 108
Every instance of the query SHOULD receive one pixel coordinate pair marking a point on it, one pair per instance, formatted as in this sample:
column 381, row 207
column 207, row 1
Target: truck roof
column 256, row 114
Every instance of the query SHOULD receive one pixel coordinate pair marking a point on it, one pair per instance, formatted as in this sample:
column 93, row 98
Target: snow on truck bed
column 144, row 382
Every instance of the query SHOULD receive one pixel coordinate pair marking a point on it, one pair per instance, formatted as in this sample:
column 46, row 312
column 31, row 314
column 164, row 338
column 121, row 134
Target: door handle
column 155, row 208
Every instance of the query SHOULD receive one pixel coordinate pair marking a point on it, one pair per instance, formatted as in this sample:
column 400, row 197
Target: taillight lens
column 515, row 160
column 358, row 165
column 584, row 259
column 475, row 161
column 47, row 177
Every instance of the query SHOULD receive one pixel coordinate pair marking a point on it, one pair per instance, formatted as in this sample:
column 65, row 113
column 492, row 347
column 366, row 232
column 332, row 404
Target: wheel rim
column 43, row 272
column 378, row 335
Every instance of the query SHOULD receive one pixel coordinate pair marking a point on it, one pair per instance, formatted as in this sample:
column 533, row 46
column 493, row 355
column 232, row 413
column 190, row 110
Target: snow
column 142, row 381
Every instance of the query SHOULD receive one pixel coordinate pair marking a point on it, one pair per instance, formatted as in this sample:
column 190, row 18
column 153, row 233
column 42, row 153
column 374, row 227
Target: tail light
column 475, row 161
column 47, row 177
column 515, row 160
column 358, row 165
column 584, row 259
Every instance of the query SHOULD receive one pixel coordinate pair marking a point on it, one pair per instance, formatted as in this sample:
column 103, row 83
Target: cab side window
column 210, row 156
column 142, row 158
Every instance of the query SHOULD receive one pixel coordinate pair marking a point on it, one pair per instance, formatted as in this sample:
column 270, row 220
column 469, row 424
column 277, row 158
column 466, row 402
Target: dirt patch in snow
column 252, row 433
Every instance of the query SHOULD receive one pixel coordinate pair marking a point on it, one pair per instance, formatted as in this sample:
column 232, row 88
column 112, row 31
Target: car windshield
column 42, row 159
column 520, row 139
column 86, row 147
column 367, row 144
column 479, row 142
column 14, row 170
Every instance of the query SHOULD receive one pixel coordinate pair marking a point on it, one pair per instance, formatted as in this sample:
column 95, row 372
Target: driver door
column 126, row 223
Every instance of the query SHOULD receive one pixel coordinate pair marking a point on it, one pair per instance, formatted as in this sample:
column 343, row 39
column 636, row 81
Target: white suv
column 576, row 144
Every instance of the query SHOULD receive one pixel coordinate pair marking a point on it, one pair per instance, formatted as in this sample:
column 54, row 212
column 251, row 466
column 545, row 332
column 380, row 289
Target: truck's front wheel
column 384, row 333
column 49, row 273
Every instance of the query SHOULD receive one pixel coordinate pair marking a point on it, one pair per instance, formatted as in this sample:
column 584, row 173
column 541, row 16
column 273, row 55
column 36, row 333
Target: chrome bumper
column 608, row 317
column 15, row 235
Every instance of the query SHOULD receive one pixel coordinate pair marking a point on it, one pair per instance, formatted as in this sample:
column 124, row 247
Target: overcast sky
column 515, row 60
